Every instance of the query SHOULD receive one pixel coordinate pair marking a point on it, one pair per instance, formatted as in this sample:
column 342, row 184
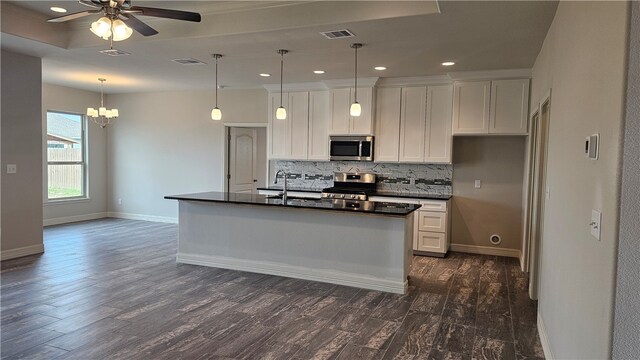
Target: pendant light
column 356, row 109
column 216, row 114
column 102, row 116
column 281, row 112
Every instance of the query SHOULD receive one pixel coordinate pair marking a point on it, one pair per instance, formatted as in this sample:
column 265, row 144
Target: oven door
column 355, row 148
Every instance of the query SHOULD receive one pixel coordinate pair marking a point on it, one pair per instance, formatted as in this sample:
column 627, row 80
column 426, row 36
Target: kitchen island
column 362, row 244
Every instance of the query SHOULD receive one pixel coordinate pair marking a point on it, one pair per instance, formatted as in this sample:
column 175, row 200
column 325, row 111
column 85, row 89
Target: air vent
column 189, row 61
column 114, row 52
column 338, row 34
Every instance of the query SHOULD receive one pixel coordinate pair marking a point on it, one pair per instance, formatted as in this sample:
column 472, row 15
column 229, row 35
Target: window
column 66, row 156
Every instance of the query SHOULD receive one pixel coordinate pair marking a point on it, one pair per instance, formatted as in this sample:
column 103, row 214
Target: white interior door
column 538, row 195
column 242, row 160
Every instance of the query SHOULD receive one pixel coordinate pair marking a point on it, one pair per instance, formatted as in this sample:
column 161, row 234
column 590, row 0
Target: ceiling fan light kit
column 102, row 116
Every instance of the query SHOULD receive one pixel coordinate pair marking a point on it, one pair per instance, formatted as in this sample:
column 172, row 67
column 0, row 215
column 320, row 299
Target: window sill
column 67, row 201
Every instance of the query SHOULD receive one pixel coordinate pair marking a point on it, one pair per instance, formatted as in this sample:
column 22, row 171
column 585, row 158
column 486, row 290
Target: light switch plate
column 12, row 168
column 477, row 184
column 596, row 218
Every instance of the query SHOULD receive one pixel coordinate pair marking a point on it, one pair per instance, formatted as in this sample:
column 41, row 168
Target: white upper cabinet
column 279, row 132
column 298, row 118
column 412, row 124
column 491, row 107
column 438, row 127
column 340, row 102
column 318, row 125
column 363, row 124
column 342, row 123
column 471, row 101
column 509, row 106
column 387, row 134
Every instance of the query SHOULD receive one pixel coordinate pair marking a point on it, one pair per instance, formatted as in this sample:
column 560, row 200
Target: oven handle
column 360, row 149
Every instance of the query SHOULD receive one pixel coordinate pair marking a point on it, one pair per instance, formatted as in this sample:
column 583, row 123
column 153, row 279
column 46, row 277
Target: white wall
column 21, row 215
column 626, row 338
column 166, row 143
column 583, row 62
column 495, row 208
column 60, row 98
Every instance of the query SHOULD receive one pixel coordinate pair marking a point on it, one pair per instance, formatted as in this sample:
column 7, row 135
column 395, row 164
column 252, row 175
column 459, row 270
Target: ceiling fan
column 120, row 12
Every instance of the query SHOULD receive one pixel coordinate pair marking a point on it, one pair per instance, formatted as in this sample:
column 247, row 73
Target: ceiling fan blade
column 166, row 13
column 73, row 16
column 137, row 25
column 89, row 3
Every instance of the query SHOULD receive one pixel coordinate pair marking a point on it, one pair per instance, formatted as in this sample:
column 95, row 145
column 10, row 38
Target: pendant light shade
column 356, row 109
column 281, row 112
column 120, row 30
column 216, row 113
column 102, row 27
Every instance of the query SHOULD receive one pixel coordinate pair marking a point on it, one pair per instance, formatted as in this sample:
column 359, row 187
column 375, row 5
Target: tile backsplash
column 392, row 177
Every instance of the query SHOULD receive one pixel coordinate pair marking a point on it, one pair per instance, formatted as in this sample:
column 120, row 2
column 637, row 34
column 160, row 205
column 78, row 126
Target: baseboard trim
column 485, row 250
column 544, row 340
column 71, row 219
column 298, row 272
column 20, row 252
column 162, row 219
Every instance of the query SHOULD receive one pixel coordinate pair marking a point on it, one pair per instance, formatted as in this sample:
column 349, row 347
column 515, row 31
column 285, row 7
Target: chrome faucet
column 284, row 189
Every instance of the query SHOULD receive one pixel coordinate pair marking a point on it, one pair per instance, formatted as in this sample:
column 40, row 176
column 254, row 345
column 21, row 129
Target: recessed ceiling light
column 380, row 68
column 265, row 75
column 318, row 71
column 58, row 9
column 448, row 63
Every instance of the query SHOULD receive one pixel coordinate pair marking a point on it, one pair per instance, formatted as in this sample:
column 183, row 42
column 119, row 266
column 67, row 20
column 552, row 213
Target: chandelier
column 102, row 116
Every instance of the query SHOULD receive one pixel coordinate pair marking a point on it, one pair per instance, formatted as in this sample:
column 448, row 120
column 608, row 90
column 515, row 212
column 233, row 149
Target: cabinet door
column 339, row 111
column 298, row 117
column 319, row 125
column 412, row 124
column 363, row 124
column 438, row 132
column 471, row 102
column 279, row 132
column 509, row 106
column 387, row 141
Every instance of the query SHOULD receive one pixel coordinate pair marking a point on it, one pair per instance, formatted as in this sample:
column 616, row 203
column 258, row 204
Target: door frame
column 529, row 248
column 226, row 134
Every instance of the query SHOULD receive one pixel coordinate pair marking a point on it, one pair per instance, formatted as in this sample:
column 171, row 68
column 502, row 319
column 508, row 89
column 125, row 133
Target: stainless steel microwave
column 354, row 148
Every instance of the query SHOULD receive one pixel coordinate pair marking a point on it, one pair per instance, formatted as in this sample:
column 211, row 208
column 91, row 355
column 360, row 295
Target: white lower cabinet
column 431, row 226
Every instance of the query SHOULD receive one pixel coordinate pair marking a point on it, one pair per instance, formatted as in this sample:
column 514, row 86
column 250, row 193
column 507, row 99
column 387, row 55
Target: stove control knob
column 341, row 196
column 330, row 195
column 353, row 196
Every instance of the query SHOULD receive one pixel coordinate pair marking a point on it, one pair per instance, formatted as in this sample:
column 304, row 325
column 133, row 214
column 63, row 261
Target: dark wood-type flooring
column 111, row 289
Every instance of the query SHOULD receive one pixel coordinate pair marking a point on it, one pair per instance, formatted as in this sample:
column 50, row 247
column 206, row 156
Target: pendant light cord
column 281, row 71
column 101, row 93
column 216, row 81
column 355, row 97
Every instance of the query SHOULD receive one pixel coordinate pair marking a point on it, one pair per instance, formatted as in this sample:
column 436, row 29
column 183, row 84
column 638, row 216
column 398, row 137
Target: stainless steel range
column 351, row 186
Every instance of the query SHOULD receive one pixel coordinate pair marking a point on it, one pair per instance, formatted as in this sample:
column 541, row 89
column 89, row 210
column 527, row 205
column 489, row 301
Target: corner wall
column 583, row 62
column 60, row 98
column 166, row 143
column 626, row 342
column 21, row 214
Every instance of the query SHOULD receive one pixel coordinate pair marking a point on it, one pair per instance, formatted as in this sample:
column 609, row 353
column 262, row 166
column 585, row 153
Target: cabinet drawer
column 430, row 241
column 432, row 221
column 433, row 205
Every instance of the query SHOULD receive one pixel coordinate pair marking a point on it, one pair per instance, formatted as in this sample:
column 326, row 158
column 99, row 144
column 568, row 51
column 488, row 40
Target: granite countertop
column 408, row 195
column 363, row 207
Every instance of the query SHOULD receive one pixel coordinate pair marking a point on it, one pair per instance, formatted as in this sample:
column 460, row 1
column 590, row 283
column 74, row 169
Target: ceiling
column 411, row 38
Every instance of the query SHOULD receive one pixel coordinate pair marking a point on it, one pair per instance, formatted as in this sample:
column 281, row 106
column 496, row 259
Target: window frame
column 84, row 162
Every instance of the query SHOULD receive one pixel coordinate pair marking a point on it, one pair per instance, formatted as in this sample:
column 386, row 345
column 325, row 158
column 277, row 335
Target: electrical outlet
column 12, row 168
column 596, row 218
column 478, row 184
